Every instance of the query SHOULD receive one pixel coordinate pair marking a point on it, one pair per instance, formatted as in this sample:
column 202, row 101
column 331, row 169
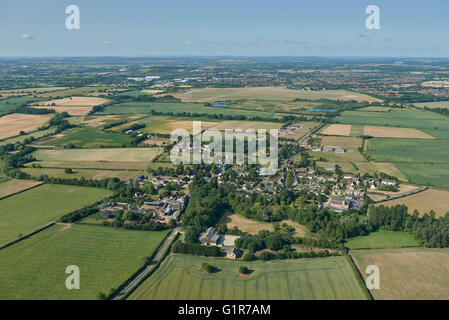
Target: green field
column 421, row 161
column 91, row 138
column 383, row 239
column 431, row 105
column 34, row 268
column 179, row 277
column 432, row 123
column 113, row 154
column 408, row 150
column 30, row 210
column 10, row 104
column 147, row 107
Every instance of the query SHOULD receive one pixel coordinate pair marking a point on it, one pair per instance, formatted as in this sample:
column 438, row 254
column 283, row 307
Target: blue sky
column 210, row 27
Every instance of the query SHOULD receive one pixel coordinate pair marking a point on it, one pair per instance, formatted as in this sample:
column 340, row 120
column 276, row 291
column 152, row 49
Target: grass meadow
column 383, row 239
column 34, row 268
column 30, row 210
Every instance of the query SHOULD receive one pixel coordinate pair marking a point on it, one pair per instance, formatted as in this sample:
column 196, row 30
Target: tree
column 222, row 228
column 68, row 171
column 172, row 223
column 244, row 270
column 207, row 268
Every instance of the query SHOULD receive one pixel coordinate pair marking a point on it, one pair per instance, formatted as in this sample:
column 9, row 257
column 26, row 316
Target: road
column 158, row 255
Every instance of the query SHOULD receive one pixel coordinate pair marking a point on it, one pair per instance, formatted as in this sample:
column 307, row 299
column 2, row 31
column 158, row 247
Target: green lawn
column 91, row 138
column 179, row 277
column 383, row 239
column 35, row 268
column 30, row 210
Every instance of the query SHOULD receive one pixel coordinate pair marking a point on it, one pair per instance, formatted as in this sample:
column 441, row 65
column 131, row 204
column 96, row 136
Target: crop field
column 437, row 200
column 12, row 186
column 431, row 105
column 82, row 91
column 79, row 173
column 408, row 273
column 98, row 121
column 391, row 132
column 338, row 157
column 408, row 150
column 349, row 143
column 49, row 202
column 431, row 123
column 12, row 124
column 146, row 107
column 73, row 110
column 75, row 102
column 88, row 137
column 113, row 154
column 35, row 134
column 245, row 125
column 34, row 268
column 296, row 107
column 179, row 278
column 167, row 126
column 98, row 165
column 383, row 239
column 29, row 91
column 337, row 130
column 268, row 93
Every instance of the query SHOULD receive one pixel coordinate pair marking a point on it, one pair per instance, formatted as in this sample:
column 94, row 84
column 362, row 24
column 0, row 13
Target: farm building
column 210, row 236
column 334, row 149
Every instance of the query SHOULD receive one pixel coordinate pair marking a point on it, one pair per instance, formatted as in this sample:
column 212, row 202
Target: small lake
column 220, row 105
column 321, row 110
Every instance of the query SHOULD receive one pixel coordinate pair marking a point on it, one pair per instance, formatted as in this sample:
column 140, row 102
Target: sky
column 408, row 28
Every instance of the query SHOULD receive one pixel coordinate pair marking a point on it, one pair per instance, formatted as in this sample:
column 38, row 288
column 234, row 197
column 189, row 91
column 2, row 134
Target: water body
column 220, row 105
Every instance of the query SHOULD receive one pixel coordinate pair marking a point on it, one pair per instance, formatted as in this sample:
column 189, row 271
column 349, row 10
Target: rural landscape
column 87, row 180
column 224, row 159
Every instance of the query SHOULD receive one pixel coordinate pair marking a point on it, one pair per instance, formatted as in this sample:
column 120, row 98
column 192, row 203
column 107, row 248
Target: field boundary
column 50, row 224
column 358, row 276
column 18, row 192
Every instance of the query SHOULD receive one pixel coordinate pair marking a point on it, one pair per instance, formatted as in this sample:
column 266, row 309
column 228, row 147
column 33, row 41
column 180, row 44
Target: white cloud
column 188, row 43
column 105, row 43
column 26, row 36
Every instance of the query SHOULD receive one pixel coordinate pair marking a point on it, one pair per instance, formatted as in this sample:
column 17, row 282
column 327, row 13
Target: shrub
column 244, row 270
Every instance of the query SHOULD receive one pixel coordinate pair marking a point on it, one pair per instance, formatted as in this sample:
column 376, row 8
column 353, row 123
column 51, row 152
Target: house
column 210, row 236
column 389, row 183
column 234, row 253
